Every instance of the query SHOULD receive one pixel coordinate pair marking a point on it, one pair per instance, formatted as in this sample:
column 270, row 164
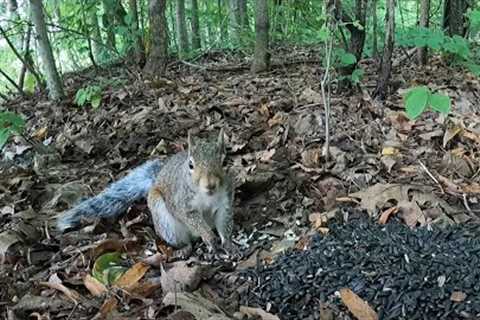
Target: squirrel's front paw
column 231, row 249
column 211, row 244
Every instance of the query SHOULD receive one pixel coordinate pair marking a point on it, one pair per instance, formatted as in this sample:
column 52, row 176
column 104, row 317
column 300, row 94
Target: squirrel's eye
column 190, row 164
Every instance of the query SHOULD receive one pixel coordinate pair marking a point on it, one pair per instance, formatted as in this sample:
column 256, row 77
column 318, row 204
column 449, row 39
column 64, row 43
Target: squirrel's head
column 206, row 159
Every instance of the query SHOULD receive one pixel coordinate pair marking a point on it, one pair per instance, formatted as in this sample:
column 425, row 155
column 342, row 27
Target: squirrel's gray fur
column 113, row 201
column 189, row 196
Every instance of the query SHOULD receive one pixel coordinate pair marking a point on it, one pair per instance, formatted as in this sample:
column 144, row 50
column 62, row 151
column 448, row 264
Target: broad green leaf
column 96, row 101
column 12, row 122
column 440, row 103
column 4, row 135
column 416, row 101
column 108, row 268
column 347, row 59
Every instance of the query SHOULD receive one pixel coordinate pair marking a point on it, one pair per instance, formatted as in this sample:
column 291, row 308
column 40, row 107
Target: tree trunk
column 223, row 26
column 157, row 59
column 261, row 60
column 424, row 23
column 26, row 57
column 386, row 65
column 196, row 40
column 182, row 36
column 454, row 17
column 243, row 14
column 375, row 28
column 357, row 32
column 137, row 35
column 234, row 20
column 54, row 83
column 108, row 23
column 97, row 45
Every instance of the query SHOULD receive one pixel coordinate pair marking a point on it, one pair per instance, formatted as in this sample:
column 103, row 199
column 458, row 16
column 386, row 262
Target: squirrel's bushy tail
column 114, row 200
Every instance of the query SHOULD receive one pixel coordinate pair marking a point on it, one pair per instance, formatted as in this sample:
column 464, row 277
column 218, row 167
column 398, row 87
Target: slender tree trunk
column 223, row 26
column 108, row 23
column 97, row 46
column 386, row 65
column 137, row 35
column 375, row 28
column 182, row 36
column 157, row 59
column 261, row 60
column 243, row 14
column 196, row 39
column 454, row 17
column 234, row 20
column 424, row 23
column 26, row 57
column 54, row 83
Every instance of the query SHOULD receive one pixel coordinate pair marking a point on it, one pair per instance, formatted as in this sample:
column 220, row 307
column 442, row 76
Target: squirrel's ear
column 221, row 139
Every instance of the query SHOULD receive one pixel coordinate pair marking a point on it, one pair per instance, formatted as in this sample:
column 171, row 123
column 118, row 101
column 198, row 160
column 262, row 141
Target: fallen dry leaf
column 357, row 306
column 458, row 296
column 95, row 287
column 54, row 282
column 131, row 277
column 257, row 312
column 386, row 215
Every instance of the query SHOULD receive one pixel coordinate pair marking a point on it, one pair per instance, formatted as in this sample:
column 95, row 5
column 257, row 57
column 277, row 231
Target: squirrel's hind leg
column 172, row 231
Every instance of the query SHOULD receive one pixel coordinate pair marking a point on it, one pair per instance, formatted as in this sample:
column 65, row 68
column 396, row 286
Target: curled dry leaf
column 95, row 287
column 357, row 306
column 386, row 215
column 131, row 277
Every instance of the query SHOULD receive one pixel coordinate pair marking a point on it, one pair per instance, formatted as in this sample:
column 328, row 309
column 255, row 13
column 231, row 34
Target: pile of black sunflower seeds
column 403, row 273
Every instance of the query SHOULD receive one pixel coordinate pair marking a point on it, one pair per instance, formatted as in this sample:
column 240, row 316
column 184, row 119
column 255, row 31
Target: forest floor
column 394, row 170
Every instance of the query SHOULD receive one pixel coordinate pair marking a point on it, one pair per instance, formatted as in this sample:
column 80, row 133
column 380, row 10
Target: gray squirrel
column 189, row 195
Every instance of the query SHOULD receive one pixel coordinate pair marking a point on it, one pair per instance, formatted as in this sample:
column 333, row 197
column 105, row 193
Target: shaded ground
column 420, row 171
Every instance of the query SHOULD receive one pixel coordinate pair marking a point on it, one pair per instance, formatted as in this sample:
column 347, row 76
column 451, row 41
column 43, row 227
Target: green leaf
column 4, row 135
column 96, row 101
column 108, row 268
column 347, row 59
column 416, row 101
column 357, row 75
column 440, row 103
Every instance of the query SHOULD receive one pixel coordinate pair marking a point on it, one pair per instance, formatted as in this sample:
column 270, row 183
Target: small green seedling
column 89, row 95
column 10, row 124
column 418, row 99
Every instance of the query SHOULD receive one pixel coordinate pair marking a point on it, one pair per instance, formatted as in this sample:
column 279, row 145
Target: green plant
column 10, row 124
column 418, row 99
column 91, row 95
column 343, row 59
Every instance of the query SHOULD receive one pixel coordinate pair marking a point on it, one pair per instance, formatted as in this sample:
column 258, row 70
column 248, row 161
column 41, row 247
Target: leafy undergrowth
column 423, row 172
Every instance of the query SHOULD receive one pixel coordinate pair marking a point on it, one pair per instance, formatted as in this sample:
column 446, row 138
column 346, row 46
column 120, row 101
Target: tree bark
column 261, row 60
column 54, row 83
column 454, row 17
column 26, row 56
column 375, row 28
column 196, row 39
column 157, row 59
column 97, row 46
column 386, row 65
column 137, row 35
column 108, row 23
column 357, row 33
column 243, row 14
column 234, row 20
column 424, row 23
column 182, row 36
column 223, row 26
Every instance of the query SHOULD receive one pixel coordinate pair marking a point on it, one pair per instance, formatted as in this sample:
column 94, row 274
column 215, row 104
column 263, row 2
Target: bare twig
column 424, row 167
